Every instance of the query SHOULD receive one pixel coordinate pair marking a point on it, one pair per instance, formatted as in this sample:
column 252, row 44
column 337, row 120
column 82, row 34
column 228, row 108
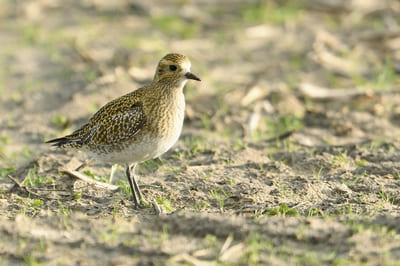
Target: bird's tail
column 66, row 142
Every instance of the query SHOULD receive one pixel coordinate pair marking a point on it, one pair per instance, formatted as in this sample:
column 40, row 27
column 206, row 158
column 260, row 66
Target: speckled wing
column 115, row 123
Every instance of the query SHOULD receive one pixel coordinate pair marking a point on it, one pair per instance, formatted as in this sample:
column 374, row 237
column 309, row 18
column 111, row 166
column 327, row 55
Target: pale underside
column 147, row 148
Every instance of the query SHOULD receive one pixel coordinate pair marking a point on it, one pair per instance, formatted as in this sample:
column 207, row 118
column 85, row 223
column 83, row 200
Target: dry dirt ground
column 289, row 155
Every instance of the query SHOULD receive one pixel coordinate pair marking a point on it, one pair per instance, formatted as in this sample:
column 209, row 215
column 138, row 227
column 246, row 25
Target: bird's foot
column 142, row 204
column 157, row 209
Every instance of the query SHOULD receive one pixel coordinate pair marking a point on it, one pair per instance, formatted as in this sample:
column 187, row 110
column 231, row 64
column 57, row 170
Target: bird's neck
column 169, row 88
column 167, row 96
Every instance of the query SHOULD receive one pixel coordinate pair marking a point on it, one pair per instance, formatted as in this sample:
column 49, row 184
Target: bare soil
column 289, row 154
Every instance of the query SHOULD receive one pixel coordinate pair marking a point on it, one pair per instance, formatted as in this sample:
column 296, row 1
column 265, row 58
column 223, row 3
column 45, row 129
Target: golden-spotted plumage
column 140, row 125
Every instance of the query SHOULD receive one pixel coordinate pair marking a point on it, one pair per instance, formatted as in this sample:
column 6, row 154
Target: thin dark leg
column 137, row 188
column 136, row 193
column 129, row 176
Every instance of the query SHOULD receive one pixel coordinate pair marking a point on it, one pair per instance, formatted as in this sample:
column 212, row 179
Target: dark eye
column 172, row 67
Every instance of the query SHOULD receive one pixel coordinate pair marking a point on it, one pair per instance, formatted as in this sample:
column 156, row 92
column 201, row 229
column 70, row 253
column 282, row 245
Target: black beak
column 192, row 76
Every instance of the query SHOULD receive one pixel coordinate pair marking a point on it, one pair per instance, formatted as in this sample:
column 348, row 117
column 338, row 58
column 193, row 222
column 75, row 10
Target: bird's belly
column 145, row 149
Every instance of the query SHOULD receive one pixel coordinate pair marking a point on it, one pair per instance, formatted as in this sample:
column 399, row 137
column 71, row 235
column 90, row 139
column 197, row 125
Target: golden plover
column 138, row 126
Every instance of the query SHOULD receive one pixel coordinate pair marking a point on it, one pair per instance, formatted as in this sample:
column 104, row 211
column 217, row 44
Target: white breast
column 176, row 127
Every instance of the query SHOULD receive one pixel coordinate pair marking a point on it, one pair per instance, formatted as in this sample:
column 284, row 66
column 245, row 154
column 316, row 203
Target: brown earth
column 289, row 153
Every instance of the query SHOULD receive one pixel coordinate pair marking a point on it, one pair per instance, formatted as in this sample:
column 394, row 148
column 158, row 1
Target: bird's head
column 174, row 70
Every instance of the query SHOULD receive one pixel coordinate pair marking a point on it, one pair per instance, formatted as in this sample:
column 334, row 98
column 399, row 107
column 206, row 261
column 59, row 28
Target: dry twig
column 86, row 179
column 21, row 186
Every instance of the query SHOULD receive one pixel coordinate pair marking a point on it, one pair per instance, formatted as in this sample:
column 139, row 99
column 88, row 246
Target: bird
column 138, row 126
